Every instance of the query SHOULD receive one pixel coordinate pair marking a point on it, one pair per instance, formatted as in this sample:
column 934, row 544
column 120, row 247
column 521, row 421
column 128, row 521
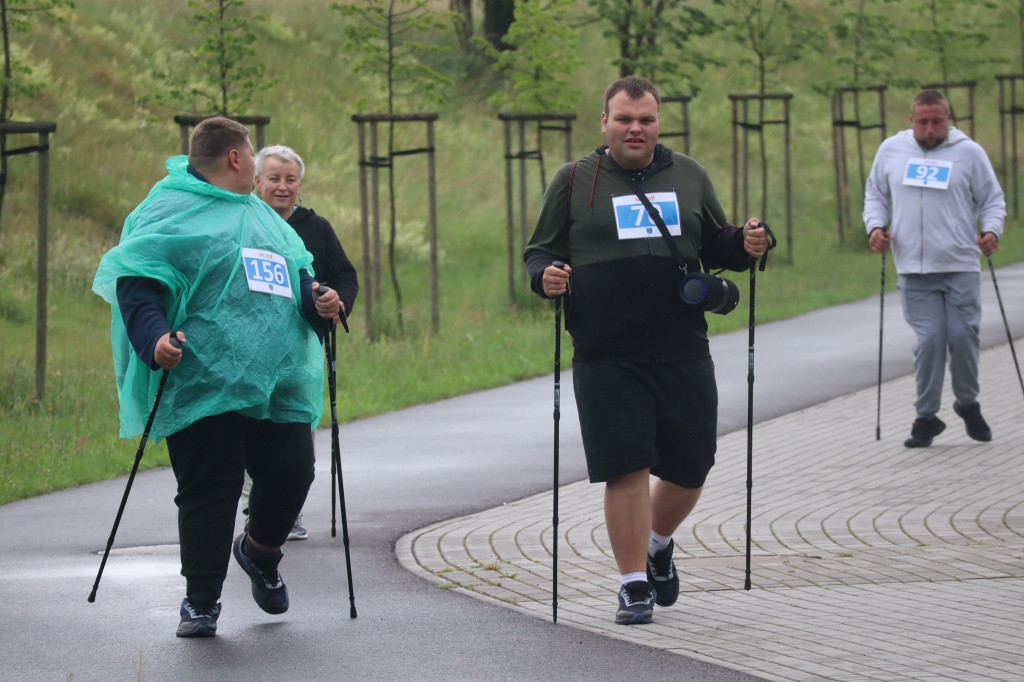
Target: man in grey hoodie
column 929, row 188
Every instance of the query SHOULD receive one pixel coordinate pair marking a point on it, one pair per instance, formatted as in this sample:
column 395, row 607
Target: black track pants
column 209, row 458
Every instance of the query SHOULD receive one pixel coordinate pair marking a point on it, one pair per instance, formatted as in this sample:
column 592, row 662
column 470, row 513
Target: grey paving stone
column 869, row 561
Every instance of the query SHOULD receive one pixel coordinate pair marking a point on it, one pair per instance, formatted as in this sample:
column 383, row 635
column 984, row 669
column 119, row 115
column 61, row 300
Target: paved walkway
column 870, row 561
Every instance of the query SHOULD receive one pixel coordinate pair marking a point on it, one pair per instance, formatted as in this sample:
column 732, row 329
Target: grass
column 108, row 150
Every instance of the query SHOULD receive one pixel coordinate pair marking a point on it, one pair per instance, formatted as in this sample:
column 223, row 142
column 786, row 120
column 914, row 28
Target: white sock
column 634, row 577
column 657, row 543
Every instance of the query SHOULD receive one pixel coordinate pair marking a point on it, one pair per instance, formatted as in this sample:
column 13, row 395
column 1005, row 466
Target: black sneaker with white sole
column 661, row 574
column 268, row 588
column 196, row 620
column 636, row 604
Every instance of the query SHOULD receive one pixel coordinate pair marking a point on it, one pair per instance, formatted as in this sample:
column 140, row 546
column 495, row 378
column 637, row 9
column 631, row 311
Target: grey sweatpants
column 944, row 310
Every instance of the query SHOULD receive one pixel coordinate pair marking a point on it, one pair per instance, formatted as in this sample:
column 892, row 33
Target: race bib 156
column 266, row 272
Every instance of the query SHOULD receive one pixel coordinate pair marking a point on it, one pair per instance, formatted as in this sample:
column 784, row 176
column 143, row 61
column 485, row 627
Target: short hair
column 634, row 87
column 213, row 138
column 927, row 98
column 282, row 153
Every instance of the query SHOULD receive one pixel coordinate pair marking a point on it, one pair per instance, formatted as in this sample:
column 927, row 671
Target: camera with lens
column 709, row 293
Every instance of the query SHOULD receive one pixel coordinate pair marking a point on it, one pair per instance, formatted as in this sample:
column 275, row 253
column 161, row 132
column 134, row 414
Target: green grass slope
column 108, row 150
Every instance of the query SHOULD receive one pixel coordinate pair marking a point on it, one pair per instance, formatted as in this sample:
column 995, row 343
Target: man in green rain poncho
column 203, row 256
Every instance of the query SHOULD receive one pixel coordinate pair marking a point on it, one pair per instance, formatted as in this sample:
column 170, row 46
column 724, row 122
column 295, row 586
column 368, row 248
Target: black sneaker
column 268, row 589
column 661, row 573
column 923, row 431
column 977, row 428
column 636, row 604
column 197, row 621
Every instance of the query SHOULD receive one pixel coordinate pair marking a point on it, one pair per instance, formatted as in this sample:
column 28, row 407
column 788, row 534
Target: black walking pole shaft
column 1002, row 310
column 329, row 353
column 750, row 393
column 557, row 416
column 336, row 464
column 135, row 468
column 750, row 421
column 881, row 321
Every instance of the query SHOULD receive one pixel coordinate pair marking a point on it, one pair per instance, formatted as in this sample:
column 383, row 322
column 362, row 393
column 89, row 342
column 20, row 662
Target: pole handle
column 344, row 315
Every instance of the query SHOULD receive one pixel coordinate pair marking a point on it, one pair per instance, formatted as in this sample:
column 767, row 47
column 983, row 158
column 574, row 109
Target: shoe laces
column 661, row 565
column 271, row 576
column 200, row 611
column 638, row 596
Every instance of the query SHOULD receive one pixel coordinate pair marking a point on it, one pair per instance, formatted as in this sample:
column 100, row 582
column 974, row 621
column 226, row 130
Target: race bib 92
column 633, row 222
column 266, row 272
column 930, row 173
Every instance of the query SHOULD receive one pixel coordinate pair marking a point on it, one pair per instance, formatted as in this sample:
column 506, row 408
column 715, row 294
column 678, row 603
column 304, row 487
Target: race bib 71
column 633, row 222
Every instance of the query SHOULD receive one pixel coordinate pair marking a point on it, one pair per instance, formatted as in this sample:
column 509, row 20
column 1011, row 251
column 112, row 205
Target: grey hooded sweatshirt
column 932, row 201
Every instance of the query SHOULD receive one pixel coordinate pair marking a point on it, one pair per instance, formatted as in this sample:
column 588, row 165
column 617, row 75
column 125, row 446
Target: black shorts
column 660, row 416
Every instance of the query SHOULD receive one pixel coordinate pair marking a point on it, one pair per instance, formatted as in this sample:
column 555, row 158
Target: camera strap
column 660, row 222
column 652, row 211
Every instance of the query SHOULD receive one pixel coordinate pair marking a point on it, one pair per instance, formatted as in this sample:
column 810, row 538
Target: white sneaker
column 298, row 532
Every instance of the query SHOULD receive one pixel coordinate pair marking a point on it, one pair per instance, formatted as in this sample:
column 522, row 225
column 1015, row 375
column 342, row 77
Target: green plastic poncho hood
column 246, row 351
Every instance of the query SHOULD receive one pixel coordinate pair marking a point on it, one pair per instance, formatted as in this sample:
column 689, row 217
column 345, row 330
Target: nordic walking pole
column 557, row 415
column 750, row 420
column 1009, row 336
column 328, row 345
column 331, row 348
column 328, row 353
column 881, row 320
column 750, row 396
column 135, row 467
column 336, row 463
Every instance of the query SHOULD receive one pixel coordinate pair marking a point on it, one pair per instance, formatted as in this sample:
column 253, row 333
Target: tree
column 652, row 36
column 542, row 54
column 462, row 11
column 867, row 43
column 867, row 39
column 224, row 76
column 773, row 30
column 1018, row 7
column 15, row 16
column 951, row 36
column 377, row 45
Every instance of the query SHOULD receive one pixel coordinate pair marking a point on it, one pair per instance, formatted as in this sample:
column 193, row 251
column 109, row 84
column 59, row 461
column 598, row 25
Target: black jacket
column 330, row 264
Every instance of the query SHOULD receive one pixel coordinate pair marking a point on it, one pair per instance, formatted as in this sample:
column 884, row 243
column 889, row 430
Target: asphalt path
column 402, row 471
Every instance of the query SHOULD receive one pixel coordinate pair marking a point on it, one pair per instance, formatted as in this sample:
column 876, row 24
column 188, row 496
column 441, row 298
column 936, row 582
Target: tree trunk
column 5, row 93
column 463, row 23
column 498, row 16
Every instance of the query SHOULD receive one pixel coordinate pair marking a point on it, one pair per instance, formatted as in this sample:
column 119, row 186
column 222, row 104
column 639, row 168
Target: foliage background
column 111, row 144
